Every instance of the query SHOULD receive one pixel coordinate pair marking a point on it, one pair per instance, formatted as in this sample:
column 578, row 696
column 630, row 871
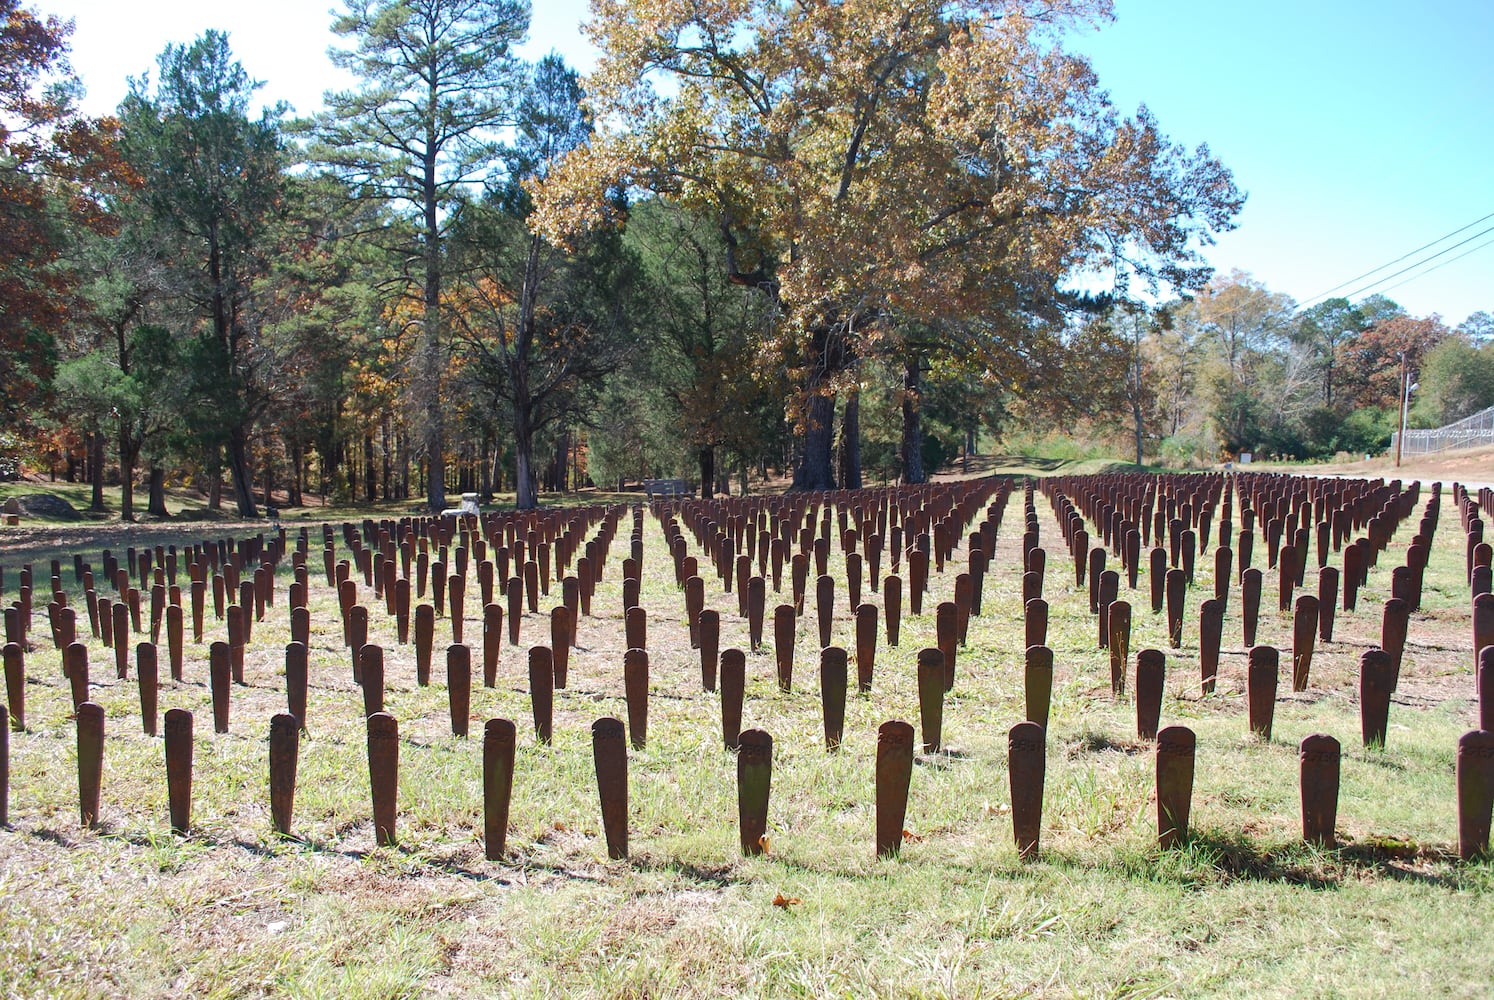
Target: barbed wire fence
column 1471, row 432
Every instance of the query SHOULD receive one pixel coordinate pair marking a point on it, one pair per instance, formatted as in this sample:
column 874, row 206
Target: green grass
column 1244, row 909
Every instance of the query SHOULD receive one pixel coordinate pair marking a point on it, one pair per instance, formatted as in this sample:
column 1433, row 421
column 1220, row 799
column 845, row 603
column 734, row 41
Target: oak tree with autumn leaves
column 871, row 164
column 50, row 157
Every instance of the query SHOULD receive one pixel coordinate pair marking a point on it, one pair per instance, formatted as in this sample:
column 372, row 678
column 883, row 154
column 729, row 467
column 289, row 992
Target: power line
column 1424, row 260
column 1373, row 270
column 1429, row 270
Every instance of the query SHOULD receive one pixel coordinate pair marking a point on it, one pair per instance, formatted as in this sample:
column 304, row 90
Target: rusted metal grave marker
column 1038, row 683
column 1376, row 683
column 894, row 773
column 542, row 692
column 1319, row 761
column 754, row 781
column 931, row 697
column 285, row 752
column 1175, row 756
column 833, row 683
column 90, row 724
column 610, row 758
column 733, row 688
column 499, row 740
column 635, row 686
column 1026, row 764
column 785, row 623
column 383, row 775
column 1151, row 671
column 1263, row 671
column 1475, row 779
column 459, row 687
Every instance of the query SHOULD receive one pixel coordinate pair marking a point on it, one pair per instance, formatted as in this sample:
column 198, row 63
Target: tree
column 873, row 167
column 1457, row 380
column 1373, row 361
column 49, row 156
column 698, row 329
column 546, row 325
column 1478, row 328
column 438, row 80
column 1321, row 329
column 1245, row 326
column 212, row 184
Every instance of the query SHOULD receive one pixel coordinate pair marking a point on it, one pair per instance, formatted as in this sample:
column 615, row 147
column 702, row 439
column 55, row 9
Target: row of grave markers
column 224, row 651
column 1318, row 756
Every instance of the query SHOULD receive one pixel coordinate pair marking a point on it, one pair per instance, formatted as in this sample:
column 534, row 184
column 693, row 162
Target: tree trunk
column 386, row 449
column 431, row 360
column 850, row 442
column 370, row 477
column 96, row 470
column 238, row 470
column 158, row 491
column 269, row 476
column 1136, row 415
column 526, row 496
column 814, row 472
column 293, row 496
column 707, row 458
column 127, row 452
column 912, row 445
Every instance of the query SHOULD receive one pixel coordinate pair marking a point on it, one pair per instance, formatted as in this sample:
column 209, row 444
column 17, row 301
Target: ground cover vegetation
column 839, row 244
column 126, row 906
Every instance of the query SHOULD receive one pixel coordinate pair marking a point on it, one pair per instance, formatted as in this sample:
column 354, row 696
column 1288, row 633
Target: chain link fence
column 1470, row 432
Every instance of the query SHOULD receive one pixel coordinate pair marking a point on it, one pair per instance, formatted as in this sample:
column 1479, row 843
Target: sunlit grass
column 1244, row 907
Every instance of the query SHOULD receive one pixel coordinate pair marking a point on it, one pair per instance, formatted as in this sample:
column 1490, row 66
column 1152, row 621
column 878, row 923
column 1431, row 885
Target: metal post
column 1400, row 439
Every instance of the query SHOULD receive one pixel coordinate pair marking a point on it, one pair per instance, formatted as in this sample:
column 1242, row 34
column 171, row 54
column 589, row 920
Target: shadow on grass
column 1091, row 742
column 1212, row 859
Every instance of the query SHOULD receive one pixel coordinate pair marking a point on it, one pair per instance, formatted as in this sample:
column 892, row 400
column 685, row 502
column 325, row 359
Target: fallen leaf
column 786, row 901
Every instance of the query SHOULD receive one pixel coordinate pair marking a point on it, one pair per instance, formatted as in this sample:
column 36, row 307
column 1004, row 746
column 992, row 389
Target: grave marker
column 894, row 773
column 383, row 775
column 754, row 781
column 610, row 758
column 1026, row 763
column 1475, row 780
column 1261, row 680
column 499, row 739
column 1319, row 760
column 542, row 692
column 1175, row 761
column 459, row 687
column 931, row 675
column 1151, row 671
column 178, row 744
column 635, row 687
column 733, row 686
column 833, row 682
column 1038, row 683
column 1376, row 684
column 90, row 723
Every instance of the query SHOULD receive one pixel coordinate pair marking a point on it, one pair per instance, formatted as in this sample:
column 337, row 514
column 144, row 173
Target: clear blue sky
column 1361, row 130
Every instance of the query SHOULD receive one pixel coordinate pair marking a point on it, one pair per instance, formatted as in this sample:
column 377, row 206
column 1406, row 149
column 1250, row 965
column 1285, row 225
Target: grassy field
column 1244, row 909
